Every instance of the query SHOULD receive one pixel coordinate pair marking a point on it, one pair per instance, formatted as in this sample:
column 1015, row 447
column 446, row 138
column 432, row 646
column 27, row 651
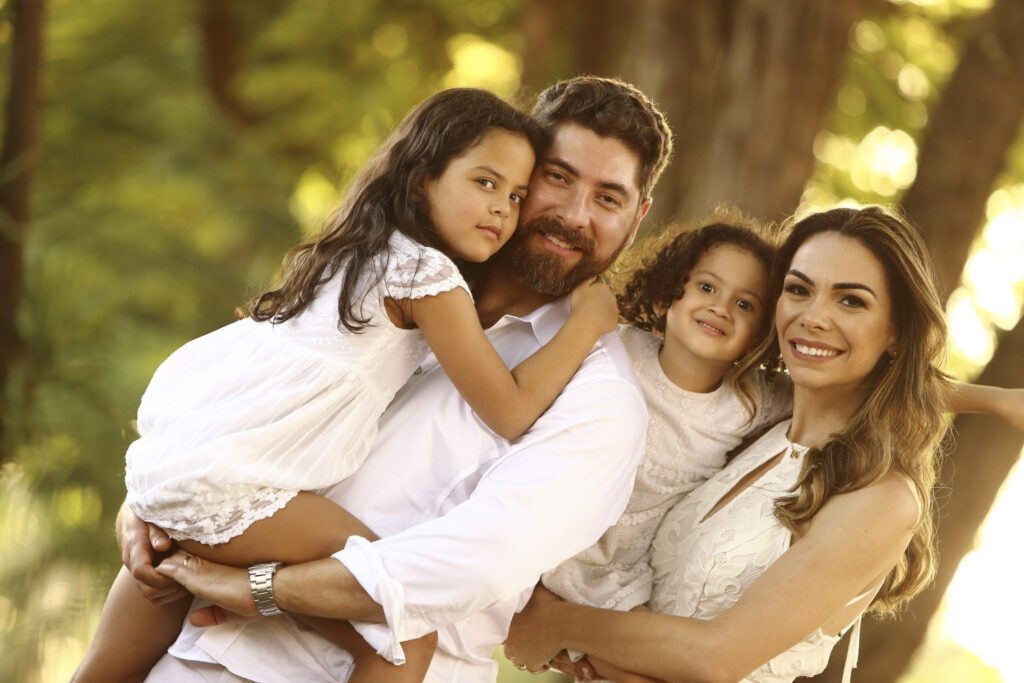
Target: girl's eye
column 744, row 305
column 516, row 198
column 852, row 301
column 705, row 287
column 486, row 183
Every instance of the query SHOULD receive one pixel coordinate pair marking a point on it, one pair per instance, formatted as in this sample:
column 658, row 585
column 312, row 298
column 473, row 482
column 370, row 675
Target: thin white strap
column 852, row 650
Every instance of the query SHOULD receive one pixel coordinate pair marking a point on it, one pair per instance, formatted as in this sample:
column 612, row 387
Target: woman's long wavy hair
column 899, row 426
column 386, row 196
column 659, row 268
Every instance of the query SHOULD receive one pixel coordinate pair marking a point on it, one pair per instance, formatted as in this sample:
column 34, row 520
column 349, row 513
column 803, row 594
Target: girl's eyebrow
column 491, row 171
column 839, row 285
column 751, row 293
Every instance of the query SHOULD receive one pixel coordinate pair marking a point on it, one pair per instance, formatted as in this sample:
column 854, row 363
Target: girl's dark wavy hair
column 386, row 196
column 664, row 265
column 899, row 426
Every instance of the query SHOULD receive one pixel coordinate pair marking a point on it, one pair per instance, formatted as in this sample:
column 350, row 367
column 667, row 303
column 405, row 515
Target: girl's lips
column 491, row 231
column 711, row 329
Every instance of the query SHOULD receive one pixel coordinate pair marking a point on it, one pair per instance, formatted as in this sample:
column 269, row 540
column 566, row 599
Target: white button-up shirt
column 468, row 521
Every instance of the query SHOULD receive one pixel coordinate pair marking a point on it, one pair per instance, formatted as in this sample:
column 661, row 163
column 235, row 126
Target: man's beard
column 542, row 271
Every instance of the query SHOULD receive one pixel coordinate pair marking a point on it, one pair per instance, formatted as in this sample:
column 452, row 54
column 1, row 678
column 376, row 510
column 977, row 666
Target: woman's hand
column 595, row 300
column 530, row 645
column 226, row 587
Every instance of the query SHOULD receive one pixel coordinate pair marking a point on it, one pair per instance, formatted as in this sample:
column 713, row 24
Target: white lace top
column 703, row 566
column 235, row 423
column 688, row 437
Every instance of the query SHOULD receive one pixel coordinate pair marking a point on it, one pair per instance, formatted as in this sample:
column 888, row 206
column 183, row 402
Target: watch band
column 261, row 583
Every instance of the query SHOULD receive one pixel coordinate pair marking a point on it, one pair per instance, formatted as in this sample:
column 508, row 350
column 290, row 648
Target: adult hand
column 529, row 645
column 226, row 587
column 139, row 543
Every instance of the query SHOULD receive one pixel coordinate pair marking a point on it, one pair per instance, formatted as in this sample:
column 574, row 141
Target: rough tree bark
column 17, row 166
column 964, row 148
column 219, row 34
column 746, row 85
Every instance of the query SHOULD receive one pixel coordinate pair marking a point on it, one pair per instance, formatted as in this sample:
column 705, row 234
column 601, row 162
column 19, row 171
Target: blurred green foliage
column 157, row 210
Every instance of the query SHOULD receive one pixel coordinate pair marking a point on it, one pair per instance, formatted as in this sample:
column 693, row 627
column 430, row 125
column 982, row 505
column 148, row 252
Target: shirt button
column 418, row 371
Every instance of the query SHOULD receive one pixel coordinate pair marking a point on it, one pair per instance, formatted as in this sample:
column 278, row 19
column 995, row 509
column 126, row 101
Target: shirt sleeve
column 414, row 271
column 556, row 491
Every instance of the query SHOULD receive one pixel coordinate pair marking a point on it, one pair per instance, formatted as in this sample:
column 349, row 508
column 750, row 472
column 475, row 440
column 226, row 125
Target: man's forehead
column 596, row 158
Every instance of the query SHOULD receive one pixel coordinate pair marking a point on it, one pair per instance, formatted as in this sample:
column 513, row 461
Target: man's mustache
column 553, row 226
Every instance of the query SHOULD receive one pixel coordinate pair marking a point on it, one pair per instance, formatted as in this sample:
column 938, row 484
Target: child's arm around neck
column 509, row 402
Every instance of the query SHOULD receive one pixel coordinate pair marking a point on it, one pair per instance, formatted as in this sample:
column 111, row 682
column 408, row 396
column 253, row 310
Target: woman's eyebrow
column 839, row 285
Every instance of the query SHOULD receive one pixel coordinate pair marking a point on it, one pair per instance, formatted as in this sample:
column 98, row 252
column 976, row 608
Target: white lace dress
column 235, row 423
column 703, row 566
column 688, row 437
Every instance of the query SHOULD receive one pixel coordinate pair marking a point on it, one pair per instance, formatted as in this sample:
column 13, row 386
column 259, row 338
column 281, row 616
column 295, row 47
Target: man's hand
column 226, row 587
column 139, row 542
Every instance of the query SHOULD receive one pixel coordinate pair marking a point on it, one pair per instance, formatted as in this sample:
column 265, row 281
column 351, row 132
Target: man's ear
column 641, row 211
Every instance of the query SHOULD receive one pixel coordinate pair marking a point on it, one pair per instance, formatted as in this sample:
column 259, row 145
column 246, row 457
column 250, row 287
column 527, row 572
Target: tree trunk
column 220, row 51
column 964, row 148
column 17, row 165
column 746, row 86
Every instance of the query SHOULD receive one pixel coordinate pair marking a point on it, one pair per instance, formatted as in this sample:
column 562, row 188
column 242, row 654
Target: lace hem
column 210, row 524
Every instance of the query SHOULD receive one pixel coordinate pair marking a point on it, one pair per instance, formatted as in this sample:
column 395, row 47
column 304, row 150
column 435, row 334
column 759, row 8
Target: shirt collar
column 545, row 321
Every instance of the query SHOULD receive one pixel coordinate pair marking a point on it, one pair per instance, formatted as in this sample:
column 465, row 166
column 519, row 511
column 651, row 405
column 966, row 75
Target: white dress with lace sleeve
column 702, row 565
column 688, row 437
column 235, row 423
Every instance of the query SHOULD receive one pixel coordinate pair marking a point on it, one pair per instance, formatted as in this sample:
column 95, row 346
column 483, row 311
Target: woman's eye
column 486, row 183
column 796, row 289
column 853, row 301
column 516, row 198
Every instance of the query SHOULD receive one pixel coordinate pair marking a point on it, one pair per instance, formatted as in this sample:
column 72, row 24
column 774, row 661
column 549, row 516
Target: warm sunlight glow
column 312, row 200
column 984, row 600
column 479, row 63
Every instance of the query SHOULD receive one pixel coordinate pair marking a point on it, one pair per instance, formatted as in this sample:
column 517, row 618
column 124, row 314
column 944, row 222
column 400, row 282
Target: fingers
column 158, row 538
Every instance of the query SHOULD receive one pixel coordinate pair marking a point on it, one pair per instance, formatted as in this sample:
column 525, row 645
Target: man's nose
column 574, row 211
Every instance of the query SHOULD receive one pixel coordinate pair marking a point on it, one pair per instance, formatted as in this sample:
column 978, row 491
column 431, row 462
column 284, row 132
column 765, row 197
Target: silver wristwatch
column 261, row 583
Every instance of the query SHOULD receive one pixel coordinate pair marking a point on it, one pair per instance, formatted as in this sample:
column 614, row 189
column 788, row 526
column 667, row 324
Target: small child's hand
column 595, row 300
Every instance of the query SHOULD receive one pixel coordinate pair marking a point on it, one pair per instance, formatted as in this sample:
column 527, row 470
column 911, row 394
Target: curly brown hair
column 667, row 259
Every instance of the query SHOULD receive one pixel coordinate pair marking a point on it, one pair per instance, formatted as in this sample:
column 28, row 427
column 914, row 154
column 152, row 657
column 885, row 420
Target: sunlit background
column 50, row 602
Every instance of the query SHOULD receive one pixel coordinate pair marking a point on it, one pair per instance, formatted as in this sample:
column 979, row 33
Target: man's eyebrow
column 573, row 171
column 838, row 285
column 749, row 292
